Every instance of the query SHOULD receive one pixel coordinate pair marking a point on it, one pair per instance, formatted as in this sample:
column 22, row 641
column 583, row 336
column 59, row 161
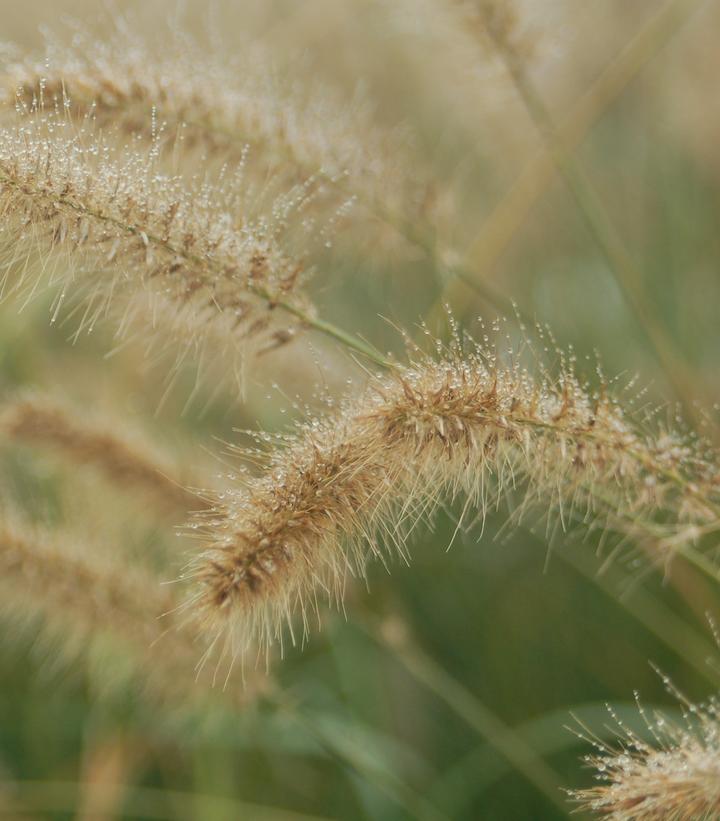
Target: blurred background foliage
column 449, row 690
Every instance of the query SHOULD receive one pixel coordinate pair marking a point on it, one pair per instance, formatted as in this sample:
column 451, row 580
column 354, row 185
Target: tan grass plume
column 228, row 106
column 89, row 605
column 123, row 457
column 675, row 777
column 351, row 486
column 101, row 219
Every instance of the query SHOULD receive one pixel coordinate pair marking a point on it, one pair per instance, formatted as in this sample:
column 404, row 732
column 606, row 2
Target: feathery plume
column 125, row 460
column 80, row 205
column 675, row 777
column 83, row 602
column 344, row 486
column 225, row 105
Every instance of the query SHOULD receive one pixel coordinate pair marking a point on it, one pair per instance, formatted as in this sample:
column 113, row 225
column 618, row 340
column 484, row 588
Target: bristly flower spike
column 351, row 485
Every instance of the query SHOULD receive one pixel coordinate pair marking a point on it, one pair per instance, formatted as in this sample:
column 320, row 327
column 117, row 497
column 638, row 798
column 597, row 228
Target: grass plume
column 187, row 189
column 125, row 460
column 227, row 106
column 91, row 606
column 343, row 488
column 675, row 776
column 75, row 205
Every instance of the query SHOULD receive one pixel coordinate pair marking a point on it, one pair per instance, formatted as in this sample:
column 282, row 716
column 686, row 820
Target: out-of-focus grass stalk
column 649, row 611
column 354, row 343
column 469, row 708
column 109, row 762
column 504, row 222
column 654, row 544
column 548, row 734
column 701, row 562
column 388, row 783
column 502, row 225
column 599, row 226
column 418, row 235
column 659, row 620
column 20, row 797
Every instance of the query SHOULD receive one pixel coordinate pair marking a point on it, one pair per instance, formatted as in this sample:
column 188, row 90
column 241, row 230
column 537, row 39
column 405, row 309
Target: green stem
column 413, row 802
column 469, row 708
column 338, row 334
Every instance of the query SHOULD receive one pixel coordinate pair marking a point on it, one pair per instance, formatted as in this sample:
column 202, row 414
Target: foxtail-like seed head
column 103, row 222
column 675, row 776
column 352, row 485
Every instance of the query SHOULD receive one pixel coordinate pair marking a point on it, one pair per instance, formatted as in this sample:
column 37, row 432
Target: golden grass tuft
column 127, row 460
column 677, row 776
column 103, row 220
column 347, row 487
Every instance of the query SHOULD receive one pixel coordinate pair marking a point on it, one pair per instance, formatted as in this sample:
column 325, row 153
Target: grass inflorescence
column 106, row 221
column 126, row 459
column 351, row 485
column 675, row 775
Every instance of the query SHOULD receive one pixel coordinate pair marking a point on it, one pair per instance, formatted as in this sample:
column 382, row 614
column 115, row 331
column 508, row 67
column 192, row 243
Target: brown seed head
column 350, row 485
